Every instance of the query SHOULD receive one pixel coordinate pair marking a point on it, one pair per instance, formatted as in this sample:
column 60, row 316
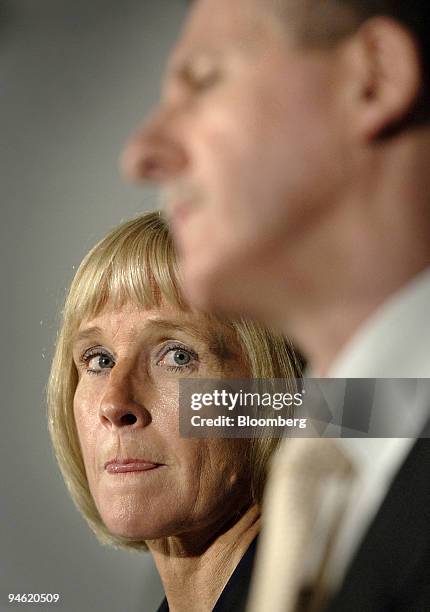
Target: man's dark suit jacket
column 235, row 593
column 391, row 570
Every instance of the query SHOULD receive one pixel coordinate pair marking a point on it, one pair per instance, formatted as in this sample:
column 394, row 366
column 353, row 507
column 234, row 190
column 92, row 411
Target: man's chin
column 213, row 289
column 204, row 288
column 230, row 291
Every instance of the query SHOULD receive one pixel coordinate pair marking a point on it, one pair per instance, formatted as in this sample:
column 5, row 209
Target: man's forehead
column 221, row 25
column 243, row 24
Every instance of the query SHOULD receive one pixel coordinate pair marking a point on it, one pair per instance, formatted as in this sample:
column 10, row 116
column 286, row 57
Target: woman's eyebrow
column 213, row 339
column 86, row 334
column 170, row 325
column 217, row 343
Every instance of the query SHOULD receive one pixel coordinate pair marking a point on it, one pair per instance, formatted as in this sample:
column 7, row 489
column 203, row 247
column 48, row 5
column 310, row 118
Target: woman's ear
column 385, row 76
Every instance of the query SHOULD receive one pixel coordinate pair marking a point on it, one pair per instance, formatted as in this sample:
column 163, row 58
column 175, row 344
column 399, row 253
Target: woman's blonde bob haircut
column 136, row 262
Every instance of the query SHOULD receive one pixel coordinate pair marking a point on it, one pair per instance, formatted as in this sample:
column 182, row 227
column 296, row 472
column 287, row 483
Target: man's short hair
column 324, row 23
column 412, row 14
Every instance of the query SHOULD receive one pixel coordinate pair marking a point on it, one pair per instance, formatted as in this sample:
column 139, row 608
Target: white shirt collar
column 395, row 341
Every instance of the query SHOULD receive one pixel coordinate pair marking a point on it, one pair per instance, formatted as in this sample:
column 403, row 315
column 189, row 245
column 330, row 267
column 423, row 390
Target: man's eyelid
column 200, row 69
column 174, row 76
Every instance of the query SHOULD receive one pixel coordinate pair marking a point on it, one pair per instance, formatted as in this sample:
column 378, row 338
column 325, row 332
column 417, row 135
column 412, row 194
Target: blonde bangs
column 134, row 263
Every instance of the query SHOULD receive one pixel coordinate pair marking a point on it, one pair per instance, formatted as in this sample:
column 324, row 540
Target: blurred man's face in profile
column 247, row 146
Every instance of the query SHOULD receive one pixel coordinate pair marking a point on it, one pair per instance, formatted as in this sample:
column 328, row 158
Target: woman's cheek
column 86, row 420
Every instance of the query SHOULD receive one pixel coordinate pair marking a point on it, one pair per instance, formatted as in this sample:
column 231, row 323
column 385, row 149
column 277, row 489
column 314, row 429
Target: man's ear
column 385, row 75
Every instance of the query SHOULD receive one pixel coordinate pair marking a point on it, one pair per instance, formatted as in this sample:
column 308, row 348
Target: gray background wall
column 75, row 77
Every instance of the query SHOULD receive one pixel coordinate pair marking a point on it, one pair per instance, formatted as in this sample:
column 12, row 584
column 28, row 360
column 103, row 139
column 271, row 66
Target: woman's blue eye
column 176, row 358
column 181, row 357
column 97, row 361
column 100, row 362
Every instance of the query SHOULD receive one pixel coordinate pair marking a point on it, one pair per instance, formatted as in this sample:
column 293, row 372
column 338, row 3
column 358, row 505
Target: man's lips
column 180, row 211
column 179, row 202
column 119, row 466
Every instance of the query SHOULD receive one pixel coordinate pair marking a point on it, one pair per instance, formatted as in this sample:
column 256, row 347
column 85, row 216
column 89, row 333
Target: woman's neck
column 193, row 579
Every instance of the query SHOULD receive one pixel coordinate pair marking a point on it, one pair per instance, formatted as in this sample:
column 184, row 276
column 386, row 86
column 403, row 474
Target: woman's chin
column 135, row 530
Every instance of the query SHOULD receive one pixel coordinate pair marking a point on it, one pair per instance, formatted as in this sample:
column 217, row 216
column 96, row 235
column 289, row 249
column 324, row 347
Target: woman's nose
column 119, row 405
column 152, row 152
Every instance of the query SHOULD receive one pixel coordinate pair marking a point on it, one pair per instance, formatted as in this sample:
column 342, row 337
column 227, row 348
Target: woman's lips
column 129, row 465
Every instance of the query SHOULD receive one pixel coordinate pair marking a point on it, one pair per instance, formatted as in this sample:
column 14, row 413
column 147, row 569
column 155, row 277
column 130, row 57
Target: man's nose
column 153, row 152
column 120, row 407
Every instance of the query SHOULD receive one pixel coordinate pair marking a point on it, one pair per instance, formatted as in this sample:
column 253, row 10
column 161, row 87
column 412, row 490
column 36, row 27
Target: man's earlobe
column 389, row 72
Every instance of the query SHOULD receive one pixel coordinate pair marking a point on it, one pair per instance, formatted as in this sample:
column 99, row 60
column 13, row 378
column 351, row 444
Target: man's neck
column 325, row 332
column 355, row 260
column 194, row 579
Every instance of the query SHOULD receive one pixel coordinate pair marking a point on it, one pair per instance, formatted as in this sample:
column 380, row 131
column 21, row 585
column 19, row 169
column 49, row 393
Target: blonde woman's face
column 148, row 482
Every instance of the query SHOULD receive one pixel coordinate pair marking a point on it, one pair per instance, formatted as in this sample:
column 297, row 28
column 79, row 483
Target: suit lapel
column 392, row 564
